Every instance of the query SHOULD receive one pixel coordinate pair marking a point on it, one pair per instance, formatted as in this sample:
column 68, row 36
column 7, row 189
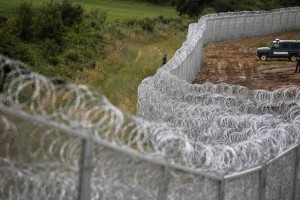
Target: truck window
column 295, row 45
column 275, row 45
column 285, row 46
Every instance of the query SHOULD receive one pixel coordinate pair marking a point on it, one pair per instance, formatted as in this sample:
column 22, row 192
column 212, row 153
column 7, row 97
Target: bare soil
column 235, row 62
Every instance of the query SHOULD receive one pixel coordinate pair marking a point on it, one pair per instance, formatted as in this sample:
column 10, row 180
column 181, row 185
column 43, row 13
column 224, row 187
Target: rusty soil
column 235, row 62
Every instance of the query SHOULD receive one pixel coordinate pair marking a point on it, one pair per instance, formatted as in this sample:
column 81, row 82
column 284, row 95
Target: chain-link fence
column 63, row 141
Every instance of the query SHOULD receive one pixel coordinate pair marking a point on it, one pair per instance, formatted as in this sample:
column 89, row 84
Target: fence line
column 169, row 90
column 223, row 191
column 212, row 28
column 58, row 139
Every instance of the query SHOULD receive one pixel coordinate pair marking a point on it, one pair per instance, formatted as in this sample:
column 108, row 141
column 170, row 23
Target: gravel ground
column 235, row 62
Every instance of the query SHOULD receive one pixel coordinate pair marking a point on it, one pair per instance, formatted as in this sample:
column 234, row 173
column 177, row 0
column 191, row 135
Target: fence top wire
column 76, row 110
column 230, row 127
column 215, row 129
column 242, row 135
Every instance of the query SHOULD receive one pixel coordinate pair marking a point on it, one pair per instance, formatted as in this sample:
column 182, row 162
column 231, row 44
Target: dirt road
column 235, row 62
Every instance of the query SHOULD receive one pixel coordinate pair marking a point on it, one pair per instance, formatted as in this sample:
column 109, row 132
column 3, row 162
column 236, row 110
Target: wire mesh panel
column 224, row 28
column 117, row 176
column 252, row 23
column 37, row 162
column 276, row 21
column 287, row 175
column 208, row 35
column 268, row 23
column 232, row 26
column 245, row 187
column 250, row 26
column 184, row 185
column 280, row 177
column 297, row 23
column 240, row 26
column 296, row 191
column 284, row 20
column 292, row 20
column 217, row 31
column 259, row 25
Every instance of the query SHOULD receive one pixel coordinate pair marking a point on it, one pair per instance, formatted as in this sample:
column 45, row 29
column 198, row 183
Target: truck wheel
column 263, row 57
column 293, row 58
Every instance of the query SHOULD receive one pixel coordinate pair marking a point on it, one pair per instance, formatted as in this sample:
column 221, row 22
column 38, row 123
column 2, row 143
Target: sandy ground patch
column 235, row 62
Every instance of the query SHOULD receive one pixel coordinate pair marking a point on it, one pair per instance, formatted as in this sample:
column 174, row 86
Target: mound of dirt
column 235, row 62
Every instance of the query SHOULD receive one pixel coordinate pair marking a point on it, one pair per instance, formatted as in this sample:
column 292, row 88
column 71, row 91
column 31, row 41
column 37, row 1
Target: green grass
column 126, row 9
column 116, row 9
column 136, row 58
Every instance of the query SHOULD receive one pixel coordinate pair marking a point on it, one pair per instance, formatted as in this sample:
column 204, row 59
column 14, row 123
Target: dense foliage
column 57, row 35
column 197, row 7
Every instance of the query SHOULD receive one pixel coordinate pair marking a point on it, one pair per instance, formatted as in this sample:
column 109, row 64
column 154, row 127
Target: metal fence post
column 222, row 189
column 263, row 183
column 84, row 192
column 297, row 159
column 244, row 28
column 163, row 183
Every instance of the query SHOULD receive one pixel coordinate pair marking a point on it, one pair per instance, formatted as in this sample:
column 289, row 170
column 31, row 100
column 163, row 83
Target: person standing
column 164, row 60
column 298, row 65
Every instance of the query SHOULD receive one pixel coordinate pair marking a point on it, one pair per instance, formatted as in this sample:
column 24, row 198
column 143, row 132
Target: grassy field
column 133, row 57
column 116, row 9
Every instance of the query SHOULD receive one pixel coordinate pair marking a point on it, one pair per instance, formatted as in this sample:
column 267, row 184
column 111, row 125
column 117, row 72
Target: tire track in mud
column 235, row 62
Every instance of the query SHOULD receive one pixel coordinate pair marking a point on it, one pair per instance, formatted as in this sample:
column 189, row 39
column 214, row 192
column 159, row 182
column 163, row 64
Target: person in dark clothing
column 298, row 66
column 164, row 60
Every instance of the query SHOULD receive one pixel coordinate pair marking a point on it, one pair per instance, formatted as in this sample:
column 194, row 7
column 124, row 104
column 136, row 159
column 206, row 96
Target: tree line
column 195, row 8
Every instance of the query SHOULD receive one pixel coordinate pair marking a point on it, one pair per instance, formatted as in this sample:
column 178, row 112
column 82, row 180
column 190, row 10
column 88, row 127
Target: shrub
column 73, row 55
column 146, row 24
column 96, row 19
column 24, row 21
column 54, row 35
column 162, row 19
column 12, row 46
column 3, row 20
column 262, row 43
column 48, row 22
column 71, row 14
column 50, row 51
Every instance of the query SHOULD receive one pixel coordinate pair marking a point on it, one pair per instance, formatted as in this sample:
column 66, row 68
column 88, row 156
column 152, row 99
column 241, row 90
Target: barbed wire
column 237, row 127
column 216, row 122
column 212, row 128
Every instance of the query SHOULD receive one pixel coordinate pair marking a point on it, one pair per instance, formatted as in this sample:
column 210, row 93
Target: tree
column 71, row 14
column 190, row 7
column 49, row 23
column 288, row 3
column 195, row 7
column 24, row 21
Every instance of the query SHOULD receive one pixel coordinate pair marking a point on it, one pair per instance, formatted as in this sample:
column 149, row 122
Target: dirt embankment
column 235, row 62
